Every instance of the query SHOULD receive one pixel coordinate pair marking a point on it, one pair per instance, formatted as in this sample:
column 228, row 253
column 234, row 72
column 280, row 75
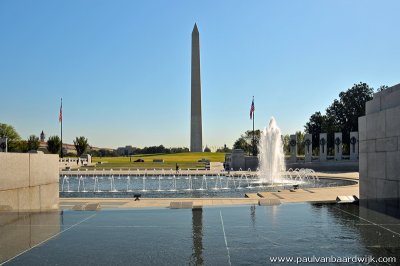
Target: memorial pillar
column 323, row 146
column 338, row 146
column 3, row 145
column 293, row 148
column 308, row 147
column 354, row 146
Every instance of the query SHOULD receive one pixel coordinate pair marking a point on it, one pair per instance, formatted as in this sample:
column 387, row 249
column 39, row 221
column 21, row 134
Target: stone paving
column 69, row 203
column 327, row 194
column 322, row 195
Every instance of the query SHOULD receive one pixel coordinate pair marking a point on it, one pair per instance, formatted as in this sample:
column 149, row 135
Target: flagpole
column 254, row 150
column 61, row 120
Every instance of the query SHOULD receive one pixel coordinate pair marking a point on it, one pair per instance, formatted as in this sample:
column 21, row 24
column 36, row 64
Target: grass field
column 184, row 160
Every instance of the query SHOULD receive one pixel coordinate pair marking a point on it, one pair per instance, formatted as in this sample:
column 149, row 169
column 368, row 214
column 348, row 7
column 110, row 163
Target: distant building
column 125, row 151
column 42, row 137
column 43, row 143
column 69, row 149
column 101, row 149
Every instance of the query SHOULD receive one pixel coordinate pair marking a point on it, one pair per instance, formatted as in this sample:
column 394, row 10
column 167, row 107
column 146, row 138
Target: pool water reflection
column 214, row 235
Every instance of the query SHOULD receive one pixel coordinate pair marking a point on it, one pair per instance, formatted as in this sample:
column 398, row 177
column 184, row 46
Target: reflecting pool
column 215, row 235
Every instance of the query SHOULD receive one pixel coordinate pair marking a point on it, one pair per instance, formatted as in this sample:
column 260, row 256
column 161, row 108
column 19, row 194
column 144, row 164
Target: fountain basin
column 181, row 186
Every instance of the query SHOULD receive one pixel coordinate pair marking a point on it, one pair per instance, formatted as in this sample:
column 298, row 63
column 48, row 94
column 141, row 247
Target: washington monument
column 196, row 135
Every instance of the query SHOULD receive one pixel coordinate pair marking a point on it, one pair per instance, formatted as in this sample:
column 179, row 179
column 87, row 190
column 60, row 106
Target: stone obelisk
column 196, row 135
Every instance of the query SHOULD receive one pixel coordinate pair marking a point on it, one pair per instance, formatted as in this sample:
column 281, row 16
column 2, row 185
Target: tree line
column 341, row 116
column 152, row 150
column 17, row 144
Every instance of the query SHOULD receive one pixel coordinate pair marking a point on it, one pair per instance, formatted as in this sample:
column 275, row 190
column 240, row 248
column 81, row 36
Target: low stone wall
column 379, row 132
column 250, row 162
column 28, row 182
column 326, row 166
column 72, row 163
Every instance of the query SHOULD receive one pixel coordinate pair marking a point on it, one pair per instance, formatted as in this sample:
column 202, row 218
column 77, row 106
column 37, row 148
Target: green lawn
column 184, row 160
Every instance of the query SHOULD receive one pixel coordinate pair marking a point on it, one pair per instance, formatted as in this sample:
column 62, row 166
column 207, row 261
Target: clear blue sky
column 123, row 67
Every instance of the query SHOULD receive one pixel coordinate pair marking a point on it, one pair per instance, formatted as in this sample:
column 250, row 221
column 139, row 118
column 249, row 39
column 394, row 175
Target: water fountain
column 271, row 157
column 128, row 184
column 235, row 184
column 65, row 180
column 81, row 182
column 96, row 184
column 159, row 183
column 174, row 184
column 112, row 184
column 144, row 183
column 203, row 183
column 190, row 183
column 217, row 179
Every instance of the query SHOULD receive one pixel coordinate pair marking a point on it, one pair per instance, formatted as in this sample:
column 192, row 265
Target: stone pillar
column 308, row 147
column 3, row 145
column 293, row 148
column 338, row 146
column 354, row 146
column 323, row 146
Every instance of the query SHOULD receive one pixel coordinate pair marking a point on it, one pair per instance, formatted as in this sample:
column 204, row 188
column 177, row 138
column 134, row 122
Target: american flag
column 252, row 109
column 60, row 118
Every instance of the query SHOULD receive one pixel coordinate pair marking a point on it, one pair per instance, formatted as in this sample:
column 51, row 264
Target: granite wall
column 28, row 182
column 379, row 157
